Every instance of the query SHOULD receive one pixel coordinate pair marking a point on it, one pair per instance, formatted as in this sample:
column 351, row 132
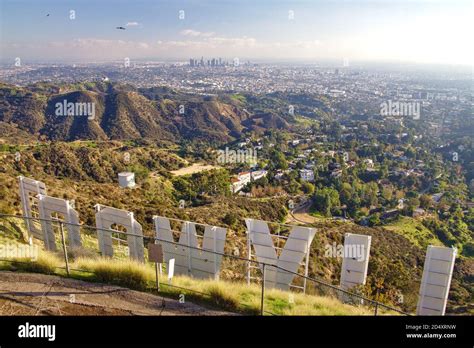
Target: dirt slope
column 39, row 294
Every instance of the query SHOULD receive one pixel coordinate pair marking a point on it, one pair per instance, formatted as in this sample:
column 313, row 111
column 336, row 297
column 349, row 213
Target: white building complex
column 243, row 178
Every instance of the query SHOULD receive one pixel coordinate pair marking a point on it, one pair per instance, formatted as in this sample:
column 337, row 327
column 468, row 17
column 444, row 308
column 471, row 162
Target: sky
column 415, row 31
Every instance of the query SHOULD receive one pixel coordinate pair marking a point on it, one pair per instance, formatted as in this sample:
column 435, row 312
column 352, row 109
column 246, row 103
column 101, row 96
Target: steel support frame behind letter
column 249, row 251
column 25, row 206
column 216, row 275
column 306, row 265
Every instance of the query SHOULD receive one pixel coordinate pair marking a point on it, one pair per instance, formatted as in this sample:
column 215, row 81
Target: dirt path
column 194, row 168
column 39, row 294
column 301, row 215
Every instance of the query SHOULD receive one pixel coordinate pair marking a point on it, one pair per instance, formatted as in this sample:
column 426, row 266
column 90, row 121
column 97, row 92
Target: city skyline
column 433, row 32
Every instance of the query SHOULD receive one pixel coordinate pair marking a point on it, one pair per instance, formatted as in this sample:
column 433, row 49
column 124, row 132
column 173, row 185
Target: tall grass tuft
column 221, row 297
column 46, row 263
column 131, row 274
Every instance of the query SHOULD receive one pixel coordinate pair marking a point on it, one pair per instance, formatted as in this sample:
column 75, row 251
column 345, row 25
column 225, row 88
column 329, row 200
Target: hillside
column 414, row 231
column 122, row 112
column 76, row 171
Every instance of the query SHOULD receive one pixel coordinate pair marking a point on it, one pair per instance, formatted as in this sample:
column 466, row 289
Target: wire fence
column 233, row 268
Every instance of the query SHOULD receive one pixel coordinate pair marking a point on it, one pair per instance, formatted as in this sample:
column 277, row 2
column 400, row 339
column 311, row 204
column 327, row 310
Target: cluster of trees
column 196, row 188
column 326, row 200
column 454, row 229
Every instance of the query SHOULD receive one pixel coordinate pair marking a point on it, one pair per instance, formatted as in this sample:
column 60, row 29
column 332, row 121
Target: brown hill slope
column 123, row 112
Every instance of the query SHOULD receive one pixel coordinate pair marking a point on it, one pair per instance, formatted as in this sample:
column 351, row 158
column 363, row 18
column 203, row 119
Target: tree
column 293, row 186
column 370, row 193
column 230, row 218
column 374, row 219
column 194, row 187
column 345, row 193
column 387, row 193
column 308, row 188
column 326, row 208
column 325, row 200
column 425, row 201
column 278, row 160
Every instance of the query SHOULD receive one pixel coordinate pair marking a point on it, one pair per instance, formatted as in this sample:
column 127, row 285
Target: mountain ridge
column 122, row 112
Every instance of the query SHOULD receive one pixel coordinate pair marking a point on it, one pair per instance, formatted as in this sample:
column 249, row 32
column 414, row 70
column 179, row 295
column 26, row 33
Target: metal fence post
column 61, row 228
column 249, row 251
column 157, row 277
column 263, row 289
column 377, row 296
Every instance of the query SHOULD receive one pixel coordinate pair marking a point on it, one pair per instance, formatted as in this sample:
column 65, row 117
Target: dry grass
column 46, row 263
column 231, row 296
column 126, row 273
column 286, row 303
column 244, row 298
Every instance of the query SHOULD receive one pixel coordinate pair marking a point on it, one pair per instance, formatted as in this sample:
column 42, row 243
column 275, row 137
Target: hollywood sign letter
column 296, row 247
column 189, row 259
column 356, row 260
column 355, row 263
column 51, row 205
column 436, row 280
column 29, row 189
column 105, row 217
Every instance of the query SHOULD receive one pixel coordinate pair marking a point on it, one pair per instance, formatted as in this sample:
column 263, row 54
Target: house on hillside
column 307, row 175
column 258, row 174
column 369, row 163
column 389, row 214
column 244, row 178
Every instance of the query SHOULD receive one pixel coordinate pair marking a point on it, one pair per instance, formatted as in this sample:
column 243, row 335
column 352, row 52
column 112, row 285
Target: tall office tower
column 220, row 61
column 191, row 62
column 202, row 61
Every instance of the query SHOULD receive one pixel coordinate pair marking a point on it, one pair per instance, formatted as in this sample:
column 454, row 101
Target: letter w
column 291, row 256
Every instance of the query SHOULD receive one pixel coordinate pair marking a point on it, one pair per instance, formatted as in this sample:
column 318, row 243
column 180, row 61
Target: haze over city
column 385, row 31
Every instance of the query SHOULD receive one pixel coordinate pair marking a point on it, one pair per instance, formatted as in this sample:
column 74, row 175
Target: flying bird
column 121, row 28
column 47, row 15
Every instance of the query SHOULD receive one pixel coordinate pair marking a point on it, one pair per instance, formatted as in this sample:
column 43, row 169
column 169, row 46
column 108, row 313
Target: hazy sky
column 420, row 31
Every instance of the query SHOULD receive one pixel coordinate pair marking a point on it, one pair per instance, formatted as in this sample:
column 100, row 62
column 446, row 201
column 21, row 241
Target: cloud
column 101, row 43
column 193, row 43
column 195, row 33
column 233, row 41
column 208, row 40
column 132, row 24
